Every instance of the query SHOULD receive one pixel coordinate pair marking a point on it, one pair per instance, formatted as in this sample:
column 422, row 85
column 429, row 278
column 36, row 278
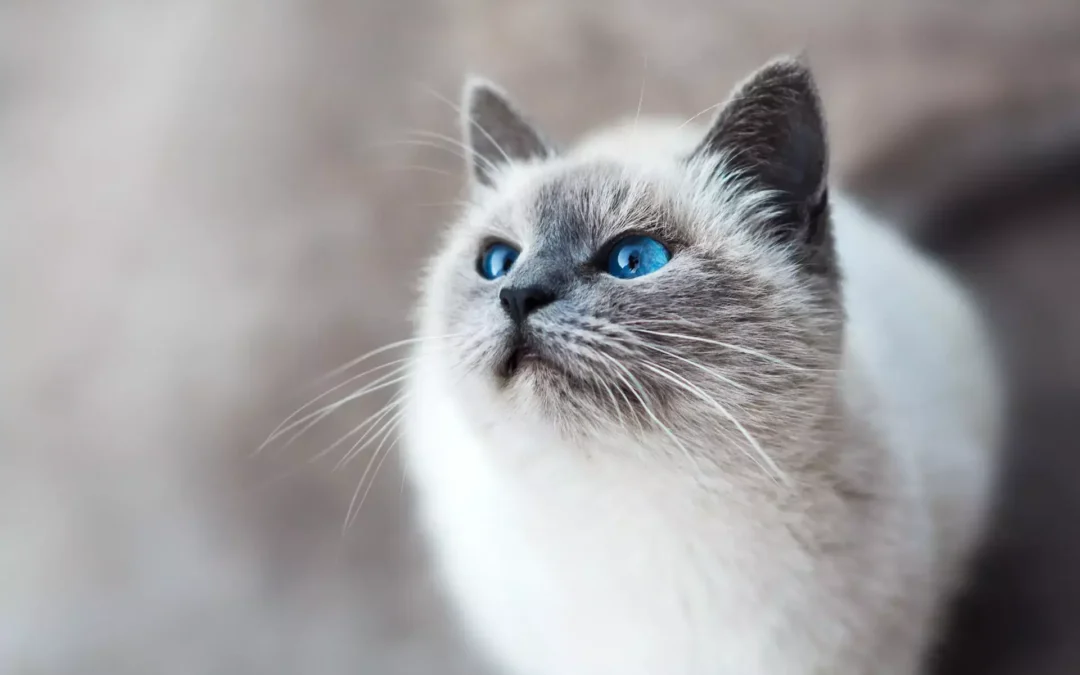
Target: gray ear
column 772, row 132
column 495, row 133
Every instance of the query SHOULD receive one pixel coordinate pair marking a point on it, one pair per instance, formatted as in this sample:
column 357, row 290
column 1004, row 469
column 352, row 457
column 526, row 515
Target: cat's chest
column 550, row 560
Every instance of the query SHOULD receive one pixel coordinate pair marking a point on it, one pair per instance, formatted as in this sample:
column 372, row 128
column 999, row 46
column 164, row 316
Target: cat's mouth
column 542, row 368
column 521, row 356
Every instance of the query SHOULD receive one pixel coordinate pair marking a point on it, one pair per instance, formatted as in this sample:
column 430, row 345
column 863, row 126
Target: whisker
column 456, row 108
column 717, row 343
column 281, row 428
column 354, row 507
column 683, row 383
column 379, row 383
column 634, row 389
column 688, row 386
column 375, row 473
column 385, row 348
column 600, row 385
column 424, row 169
column 699, row 114
column 695, row 364
column 456, row 144
column 368, row 423
column 323, row 415
column 590, row 339
column 592, row 356
column 419, row 143
column 641, row 94
column 370, row 437
column 614, row 402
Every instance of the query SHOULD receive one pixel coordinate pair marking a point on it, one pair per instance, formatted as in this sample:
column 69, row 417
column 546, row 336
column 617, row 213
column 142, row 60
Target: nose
column 520, row 302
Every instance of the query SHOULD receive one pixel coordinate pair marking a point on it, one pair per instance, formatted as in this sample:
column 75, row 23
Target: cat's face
column 604, row 292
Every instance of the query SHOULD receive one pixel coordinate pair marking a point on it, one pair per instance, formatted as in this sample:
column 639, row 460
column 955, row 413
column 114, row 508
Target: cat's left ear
column 496, row 134
column 771, row 132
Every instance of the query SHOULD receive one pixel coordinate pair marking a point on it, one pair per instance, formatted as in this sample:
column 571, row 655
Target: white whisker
column 282, row 428
column 641, row 94
column 695, row 364
column 422, row 143
column 456, row 108
column 307, row 421
column 614, row 402
column 354, row 508
column 373, row 430
column 699, row 114
column 424, row 169
column 381, row 435
column 385, row 348
column 635, row 388
column 368, row 423
column 374, row 475
column 717, row 343
column 456, row 144
column 592, row 356
column 688, row 386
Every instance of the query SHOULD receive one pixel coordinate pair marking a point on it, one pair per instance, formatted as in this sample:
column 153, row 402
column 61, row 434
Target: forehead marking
column 587, row 205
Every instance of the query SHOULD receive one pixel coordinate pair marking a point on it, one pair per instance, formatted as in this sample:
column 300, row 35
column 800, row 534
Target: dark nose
column 520, row 302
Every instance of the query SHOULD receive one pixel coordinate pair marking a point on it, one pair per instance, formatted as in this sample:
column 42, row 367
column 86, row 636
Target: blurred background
column 207, row 204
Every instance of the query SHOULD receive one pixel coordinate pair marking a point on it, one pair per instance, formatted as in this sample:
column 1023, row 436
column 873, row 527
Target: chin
column 530, row 378
column 520, row 363
column 554, row 400
column 527, row 379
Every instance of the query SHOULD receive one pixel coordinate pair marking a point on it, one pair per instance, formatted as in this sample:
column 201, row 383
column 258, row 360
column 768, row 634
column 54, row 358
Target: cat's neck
column 525, row 448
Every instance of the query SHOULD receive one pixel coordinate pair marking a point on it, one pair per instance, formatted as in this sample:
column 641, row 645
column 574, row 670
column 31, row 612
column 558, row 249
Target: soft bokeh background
column 206, row 204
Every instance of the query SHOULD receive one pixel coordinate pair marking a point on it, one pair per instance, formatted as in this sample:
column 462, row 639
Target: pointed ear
column 495, row 133
column 772, row 132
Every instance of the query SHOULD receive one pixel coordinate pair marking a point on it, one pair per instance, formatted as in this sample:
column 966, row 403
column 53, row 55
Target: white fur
column 570, row 560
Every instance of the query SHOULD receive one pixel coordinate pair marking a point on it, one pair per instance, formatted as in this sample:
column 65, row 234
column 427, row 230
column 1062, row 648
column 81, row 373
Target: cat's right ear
column 496, row 134
column 772, row 132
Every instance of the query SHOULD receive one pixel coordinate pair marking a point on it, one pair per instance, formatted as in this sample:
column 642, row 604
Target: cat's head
column 652, row 279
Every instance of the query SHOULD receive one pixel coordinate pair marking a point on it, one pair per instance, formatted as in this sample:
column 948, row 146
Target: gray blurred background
column 206, row 204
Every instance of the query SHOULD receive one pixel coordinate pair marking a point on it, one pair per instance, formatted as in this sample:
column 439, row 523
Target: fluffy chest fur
column 562, row 562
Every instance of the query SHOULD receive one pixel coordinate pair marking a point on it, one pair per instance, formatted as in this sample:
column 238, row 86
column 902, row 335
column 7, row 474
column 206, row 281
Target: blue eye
column 496, row 260
column 636, row 256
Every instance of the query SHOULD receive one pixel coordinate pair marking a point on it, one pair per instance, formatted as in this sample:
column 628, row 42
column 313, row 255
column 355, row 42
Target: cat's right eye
column 496, row 260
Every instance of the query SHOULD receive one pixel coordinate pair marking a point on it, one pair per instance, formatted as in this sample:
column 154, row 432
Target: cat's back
column 913, row 327
column 916, row 337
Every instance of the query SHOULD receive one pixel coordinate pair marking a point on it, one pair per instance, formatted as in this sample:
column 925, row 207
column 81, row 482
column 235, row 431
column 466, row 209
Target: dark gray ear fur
column 495, row 132
column 772, row 132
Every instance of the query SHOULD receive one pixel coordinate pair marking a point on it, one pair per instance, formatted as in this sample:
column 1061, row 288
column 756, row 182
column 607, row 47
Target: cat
column 677, row 408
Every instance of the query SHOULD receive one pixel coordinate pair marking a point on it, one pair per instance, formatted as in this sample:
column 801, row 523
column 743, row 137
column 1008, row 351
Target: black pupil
column 507, row 261
column 633, row 261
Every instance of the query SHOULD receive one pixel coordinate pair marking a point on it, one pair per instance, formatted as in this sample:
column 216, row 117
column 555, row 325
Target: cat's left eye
column 636, row 256
column 496, row 260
